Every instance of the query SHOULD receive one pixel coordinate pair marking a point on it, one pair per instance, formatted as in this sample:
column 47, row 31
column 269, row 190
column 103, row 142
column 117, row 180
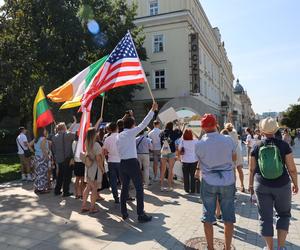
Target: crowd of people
column 211, row 165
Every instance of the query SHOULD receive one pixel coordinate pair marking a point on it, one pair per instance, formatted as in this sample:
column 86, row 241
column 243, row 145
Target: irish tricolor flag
column 42, row 115
column 71, row 92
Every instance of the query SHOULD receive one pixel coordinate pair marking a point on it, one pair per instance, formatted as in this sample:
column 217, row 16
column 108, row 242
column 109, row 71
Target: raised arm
column 145, row 122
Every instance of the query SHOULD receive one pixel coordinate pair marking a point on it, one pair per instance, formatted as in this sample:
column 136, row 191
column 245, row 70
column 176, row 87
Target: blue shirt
column 37, row 147
column 143, row 144
column 126, row 139
column 284, row 149
column 214, row 152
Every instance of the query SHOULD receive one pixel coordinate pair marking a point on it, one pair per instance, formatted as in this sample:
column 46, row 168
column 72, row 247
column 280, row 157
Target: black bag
column 27, row 152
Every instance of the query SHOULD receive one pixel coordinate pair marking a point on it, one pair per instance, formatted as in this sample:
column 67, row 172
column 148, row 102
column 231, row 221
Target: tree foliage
column 45, row 43
column 291, row 118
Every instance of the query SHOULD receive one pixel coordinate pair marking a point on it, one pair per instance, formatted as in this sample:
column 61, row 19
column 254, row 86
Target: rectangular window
column 158, row 43
column 153, row 7
column 160, row 79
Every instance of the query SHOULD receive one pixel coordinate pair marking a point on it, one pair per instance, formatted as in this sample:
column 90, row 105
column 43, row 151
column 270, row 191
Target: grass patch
column 10, row 168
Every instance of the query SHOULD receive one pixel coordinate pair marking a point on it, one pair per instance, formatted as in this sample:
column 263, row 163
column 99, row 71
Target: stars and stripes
column 123, row 67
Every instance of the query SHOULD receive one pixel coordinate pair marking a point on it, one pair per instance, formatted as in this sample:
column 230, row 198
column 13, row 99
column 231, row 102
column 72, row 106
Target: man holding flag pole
column 122, row 68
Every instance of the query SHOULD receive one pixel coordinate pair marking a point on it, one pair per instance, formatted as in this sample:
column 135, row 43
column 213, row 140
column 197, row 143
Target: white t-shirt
column 74, row 144
column 189, row 150
column 110, row 144
column 155, row 138
column 21, row 139
column 250, row 141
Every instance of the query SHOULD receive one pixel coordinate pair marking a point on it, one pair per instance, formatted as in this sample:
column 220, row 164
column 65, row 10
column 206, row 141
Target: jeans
column 225, row 195
column 114, row 169
column 144, row 161
column 269, row 198
column 189, row 180
column 130, row 169
column 63, row 178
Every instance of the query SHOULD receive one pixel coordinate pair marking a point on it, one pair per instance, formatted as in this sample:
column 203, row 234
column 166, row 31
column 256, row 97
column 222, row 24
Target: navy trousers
column 130, row 169
column 114, row 169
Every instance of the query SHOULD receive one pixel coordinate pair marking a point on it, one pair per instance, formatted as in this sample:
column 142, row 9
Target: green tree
column 291, row 117
column 47, row 42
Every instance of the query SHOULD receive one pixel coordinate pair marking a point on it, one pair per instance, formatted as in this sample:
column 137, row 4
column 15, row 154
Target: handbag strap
column 140, row 142
column 20, row 144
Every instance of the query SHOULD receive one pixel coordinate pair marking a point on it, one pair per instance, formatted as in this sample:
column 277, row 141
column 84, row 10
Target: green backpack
column 269, row 161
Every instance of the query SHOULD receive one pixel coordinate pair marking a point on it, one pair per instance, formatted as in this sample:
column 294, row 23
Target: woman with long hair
column 94, row 170
column 42, row 160
column 189, row 160
column 168, row 138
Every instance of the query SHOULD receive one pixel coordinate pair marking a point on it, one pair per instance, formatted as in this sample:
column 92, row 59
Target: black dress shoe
column 144, row 218
column 130, row 199
column 58, row 193
column 124, row 216
column 67, row 194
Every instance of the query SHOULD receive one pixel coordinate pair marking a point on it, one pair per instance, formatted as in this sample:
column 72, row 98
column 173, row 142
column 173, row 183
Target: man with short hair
column 22, row 144
column 62, row 149
column 154, row 136
column 110, row 150
column 130, row 169
column 216, row 154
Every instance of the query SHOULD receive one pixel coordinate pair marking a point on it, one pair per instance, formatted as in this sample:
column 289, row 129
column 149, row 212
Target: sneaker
column 29, row 178
column 144, row 218
column 24, row 177
column 156, row 179
column 170, row 189
column 162, row 189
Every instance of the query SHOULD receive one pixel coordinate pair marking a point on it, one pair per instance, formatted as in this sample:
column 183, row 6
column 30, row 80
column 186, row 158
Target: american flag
column 123, row 67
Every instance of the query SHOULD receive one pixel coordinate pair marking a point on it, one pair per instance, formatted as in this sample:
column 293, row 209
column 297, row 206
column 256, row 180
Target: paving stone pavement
column 28, row 221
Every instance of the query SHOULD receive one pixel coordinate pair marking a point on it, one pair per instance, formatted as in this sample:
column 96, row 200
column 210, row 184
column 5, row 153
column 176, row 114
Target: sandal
column 94, row 210
column 84, row 210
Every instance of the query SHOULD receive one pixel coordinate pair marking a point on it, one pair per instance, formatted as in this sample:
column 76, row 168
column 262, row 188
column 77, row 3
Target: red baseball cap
column 208, row 121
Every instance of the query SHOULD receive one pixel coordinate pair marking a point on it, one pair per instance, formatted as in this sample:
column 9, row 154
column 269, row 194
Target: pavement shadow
column 138, row 233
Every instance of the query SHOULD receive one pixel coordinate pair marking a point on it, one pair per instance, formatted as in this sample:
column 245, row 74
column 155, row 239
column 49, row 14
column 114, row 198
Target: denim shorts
column 169, row 156
column 225, row 195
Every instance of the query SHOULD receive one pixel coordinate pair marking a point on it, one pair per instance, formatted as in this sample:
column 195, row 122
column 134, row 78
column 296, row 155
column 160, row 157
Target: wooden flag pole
column 150, row 91
column 102, row 106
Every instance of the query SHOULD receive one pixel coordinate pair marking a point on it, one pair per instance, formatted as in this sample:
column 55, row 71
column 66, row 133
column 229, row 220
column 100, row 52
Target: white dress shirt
column 154, row 136
column 110, row 144
column 126, row 139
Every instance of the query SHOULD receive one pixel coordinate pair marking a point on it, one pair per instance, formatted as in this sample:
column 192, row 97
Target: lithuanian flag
column 72, row 91
column 42, row 115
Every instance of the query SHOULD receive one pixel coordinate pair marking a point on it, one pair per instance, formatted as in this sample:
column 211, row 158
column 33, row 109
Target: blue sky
column 262, row 39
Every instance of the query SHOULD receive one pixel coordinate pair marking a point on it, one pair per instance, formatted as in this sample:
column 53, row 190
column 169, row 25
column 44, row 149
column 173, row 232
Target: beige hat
column 268, row 125
column 228, row 125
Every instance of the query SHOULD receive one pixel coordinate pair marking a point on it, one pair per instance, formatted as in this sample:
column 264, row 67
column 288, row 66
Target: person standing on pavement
column 143, row 147
column 189, row 160
column 62, row 149
column 168, row 138
column 216, row 154
column 270, row 180
column 154, row 136
column 25, row 160
column 110, row 150
column 239, row 155
column 130, row 168
column 42, row 161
